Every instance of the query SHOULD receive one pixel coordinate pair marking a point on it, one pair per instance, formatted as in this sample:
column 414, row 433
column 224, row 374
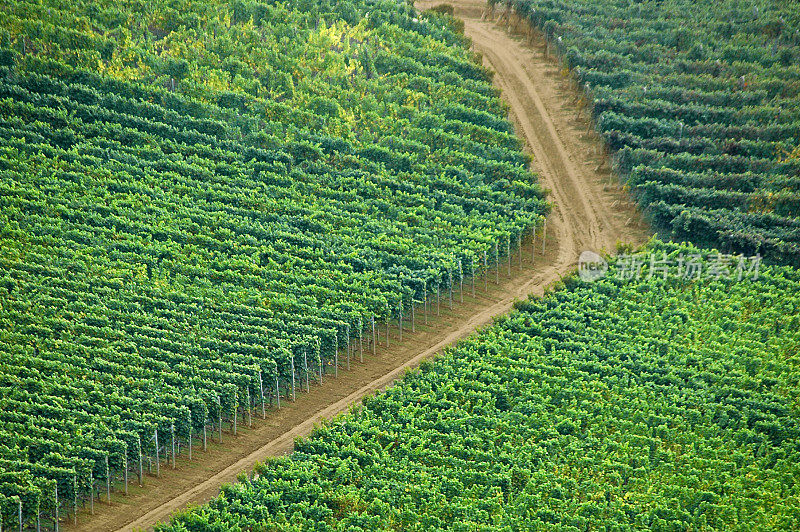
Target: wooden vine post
column 347, row 335
column 374, row 335
column 277, row 386
column 450, row 287
column 508, row 252
column 485, row 271
column 108, row 482
column 172, row 433
column 413, row 314
column 140, row 462
column 472, row 269
column 319, row 359
column 235, row 410
column 55, row 511
column 496, row 262
column 400, row 317
column 158, row 458
column 360, row 341
column 425, row 300
column 249, row 410
column 219, row 413
column 388, row 316
column 305, row 368
column 544, row 236
column 91, row 492
column 261, row 391
column 294, row 396
column 336, row 355
column 460, row 282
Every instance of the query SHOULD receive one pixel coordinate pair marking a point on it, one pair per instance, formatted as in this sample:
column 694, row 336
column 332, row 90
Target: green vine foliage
column 699, row 105
column 657, row 403
column 197, row 197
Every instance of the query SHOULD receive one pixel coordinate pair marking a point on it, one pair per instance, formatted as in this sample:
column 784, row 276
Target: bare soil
column 590, row 212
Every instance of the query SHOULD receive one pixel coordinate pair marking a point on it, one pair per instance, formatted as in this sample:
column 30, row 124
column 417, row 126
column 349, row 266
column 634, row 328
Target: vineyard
column 651, row 399
column 206, row 207
column 698, row 104
column 659, row 403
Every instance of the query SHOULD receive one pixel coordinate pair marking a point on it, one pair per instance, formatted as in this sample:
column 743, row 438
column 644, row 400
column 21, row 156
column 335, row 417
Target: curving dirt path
column 589, row 212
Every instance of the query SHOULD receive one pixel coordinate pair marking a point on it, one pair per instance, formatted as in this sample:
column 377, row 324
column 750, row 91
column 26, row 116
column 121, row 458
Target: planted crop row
column 679, row 89
column 206, row 208
column 656, row 402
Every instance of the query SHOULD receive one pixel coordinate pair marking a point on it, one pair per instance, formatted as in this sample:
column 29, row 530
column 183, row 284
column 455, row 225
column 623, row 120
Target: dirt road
column 589, row 213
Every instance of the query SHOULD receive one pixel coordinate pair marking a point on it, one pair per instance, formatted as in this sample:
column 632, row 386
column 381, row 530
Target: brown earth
column 589, row 212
